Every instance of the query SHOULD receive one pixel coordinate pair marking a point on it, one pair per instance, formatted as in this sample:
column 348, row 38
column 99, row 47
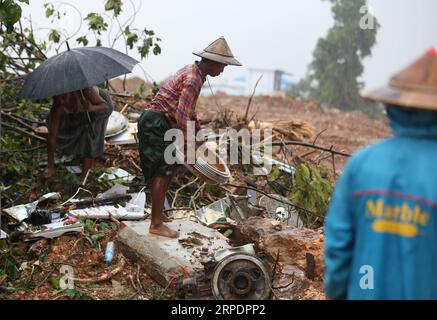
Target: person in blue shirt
column 381, row 226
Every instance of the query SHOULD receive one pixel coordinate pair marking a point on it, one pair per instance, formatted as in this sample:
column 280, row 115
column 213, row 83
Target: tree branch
column 250, row 99
column 21, row 131
column 298, row 143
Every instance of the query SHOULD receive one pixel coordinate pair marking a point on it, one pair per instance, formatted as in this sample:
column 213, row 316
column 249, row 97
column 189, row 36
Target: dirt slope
column 345, row 131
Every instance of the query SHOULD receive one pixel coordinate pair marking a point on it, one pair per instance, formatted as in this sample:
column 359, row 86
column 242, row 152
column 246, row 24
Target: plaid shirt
column 179, row 95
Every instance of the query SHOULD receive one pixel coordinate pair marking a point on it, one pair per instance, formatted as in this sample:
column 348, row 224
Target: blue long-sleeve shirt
column 381, row 226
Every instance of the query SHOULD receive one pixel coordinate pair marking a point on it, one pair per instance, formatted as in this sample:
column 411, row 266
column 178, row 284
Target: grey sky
column 274, row 34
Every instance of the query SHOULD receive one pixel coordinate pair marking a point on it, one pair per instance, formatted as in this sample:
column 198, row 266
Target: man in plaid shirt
column 178, row 97
column 172, row 107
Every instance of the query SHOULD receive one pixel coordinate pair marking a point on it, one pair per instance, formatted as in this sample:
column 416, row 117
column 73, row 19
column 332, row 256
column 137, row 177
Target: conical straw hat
column 219, row 51
column 413, row 87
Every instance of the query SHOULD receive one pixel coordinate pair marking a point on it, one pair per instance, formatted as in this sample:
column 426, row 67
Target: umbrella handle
column 93, row 134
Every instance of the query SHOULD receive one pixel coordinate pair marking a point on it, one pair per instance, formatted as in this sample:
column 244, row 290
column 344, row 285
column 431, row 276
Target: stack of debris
column 240, row 240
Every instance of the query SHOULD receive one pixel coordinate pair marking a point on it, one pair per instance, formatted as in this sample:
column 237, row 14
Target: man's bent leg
column 160, row 186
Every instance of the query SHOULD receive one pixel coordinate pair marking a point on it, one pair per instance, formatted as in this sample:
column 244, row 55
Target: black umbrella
column 74, row 70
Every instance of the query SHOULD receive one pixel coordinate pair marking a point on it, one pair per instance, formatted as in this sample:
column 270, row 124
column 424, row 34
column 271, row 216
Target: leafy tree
column 10, row 13
column 102, row 24
column 337, row 59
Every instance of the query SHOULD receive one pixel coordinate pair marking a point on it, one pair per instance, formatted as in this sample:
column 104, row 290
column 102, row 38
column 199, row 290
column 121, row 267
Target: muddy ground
column 345, row 131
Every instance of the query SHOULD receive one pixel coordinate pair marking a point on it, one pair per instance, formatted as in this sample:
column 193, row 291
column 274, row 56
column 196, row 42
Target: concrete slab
column 165, row 259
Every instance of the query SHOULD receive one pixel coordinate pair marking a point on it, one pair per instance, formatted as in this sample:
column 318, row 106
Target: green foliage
column 156, row 49
column 82, row 40
column 18, row 167
column 145, row 48
column 274, row 174
column 71, row 294
column 278, row 180
column 9, row 264
column 149, row 42
column 214, row 190
column 55, row 282
column 96, row 23
column 228, row 233
column 94, row 239
column 114, row 5
column 141, row 89
column 337, row 59
column 50, row 9
column 95, row 232
column 145, row 41
column 312, row 191
column 74, row 294
column 89, row 226
column 54, row 36
column 131, row 38
column 10, row 13
column 70, row 179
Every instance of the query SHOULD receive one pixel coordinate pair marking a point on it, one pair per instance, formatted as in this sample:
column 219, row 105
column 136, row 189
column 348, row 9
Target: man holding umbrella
column 68, row 126
column 80, row 111
column 172, row 107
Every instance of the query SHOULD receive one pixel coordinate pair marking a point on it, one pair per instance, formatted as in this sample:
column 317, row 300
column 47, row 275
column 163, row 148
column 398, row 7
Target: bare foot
column 164, row 231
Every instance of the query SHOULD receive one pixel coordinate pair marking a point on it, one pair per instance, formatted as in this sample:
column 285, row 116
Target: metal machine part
column 195, row 287
column 240, row 276
column 223, row 253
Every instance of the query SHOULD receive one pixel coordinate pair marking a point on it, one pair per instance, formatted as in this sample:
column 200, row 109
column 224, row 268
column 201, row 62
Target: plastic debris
column 3, row 235
column 116, row 190
column 116, row 174
column 23, row 211
column 134, row 210
column 52, row 230
column 109, row 252
column 74, row 169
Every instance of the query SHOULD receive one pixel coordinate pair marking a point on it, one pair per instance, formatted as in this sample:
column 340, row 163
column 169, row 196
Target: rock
column 165, row 259
column 295, row 246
